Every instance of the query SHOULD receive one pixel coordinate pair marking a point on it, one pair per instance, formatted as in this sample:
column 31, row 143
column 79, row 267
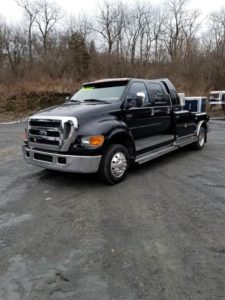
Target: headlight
column 93, row 141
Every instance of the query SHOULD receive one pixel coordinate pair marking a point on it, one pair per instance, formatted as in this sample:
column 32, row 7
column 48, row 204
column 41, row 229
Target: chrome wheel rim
column 118, row 164
column 201, row 138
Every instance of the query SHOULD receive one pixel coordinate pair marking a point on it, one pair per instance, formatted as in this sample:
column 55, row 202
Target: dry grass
column 19, row 99
column 23, row 98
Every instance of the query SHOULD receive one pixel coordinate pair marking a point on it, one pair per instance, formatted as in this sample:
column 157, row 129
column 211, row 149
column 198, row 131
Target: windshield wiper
column 74, row 100
column 95, row 100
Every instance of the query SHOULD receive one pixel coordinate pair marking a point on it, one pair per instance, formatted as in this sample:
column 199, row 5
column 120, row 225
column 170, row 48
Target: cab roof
column 107, row 80
column 122, row 80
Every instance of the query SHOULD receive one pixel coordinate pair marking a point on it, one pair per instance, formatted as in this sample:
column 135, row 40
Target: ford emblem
column 43, row 133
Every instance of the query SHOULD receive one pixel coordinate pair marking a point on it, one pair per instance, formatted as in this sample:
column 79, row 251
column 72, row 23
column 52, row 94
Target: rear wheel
column 114, row 164
column 201, row 139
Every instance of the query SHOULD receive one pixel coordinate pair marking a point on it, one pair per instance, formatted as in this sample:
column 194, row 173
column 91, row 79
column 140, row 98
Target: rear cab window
column 158, row 97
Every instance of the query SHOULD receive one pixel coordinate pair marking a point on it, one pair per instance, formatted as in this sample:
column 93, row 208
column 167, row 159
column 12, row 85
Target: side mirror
column 140, row 99
column 67, row 98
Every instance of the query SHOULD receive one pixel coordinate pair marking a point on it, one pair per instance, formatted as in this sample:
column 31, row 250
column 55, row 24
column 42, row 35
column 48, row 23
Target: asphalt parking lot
column 160, row 234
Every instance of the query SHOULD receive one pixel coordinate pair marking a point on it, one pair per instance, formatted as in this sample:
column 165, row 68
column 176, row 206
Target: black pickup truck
column 110, row 124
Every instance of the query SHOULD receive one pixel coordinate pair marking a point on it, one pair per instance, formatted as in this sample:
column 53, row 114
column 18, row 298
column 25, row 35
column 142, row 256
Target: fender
column 124, row 136
column 120, row 132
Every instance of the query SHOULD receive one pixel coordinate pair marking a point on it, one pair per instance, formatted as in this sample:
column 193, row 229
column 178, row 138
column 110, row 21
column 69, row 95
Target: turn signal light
column 95, row 140
column 25, row 136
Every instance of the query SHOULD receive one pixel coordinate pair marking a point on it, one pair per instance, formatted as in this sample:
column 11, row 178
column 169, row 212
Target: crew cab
column 110, row 124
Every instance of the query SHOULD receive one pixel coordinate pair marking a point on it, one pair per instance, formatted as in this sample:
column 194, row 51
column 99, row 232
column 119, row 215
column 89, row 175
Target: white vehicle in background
column 217, row 98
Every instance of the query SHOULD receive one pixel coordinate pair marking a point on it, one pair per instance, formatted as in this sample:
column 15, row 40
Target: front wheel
column 114, row 164
column 201, row 139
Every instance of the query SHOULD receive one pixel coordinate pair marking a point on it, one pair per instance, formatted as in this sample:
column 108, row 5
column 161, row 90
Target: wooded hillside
column 49, row 51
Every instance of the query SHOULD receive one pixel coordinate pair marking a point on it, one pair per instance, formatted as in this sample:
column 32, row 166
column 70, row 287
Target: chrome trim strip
column 52, row 129
column 150, row 106
column 183, row 137
column 43, row 146
column 47, row 138
column 216, row 102
column 181, row 112
column 147, row 125
column 200, row 114
column 53, row 118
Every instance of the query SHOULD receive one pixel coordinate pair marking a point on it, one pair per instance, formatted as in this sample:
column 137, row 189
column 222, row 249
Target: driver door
column 138, row 118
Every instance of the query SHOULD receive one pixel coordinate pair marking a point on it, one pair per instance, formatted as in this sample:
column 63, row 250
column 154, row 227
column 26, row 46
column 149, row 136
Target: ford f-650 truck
column 110, row 124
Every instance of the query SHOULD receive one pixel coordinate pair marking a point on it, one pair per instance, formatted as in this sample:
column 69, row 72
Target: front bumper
column 61, row 162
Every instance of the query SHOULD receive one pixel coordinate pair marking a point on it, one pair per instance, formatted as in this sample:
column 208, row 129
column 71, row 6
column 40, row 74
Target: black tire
column 199, row 145
column 115, row 154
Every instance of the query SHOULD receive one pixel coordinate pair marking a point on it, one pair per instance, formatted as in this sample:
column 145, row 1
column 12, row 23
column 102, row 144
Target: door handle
column 152, row 112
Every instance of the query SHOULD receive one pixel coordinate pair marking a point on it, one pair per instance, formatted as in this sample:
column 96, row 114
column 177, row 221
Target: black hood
column 78, row 110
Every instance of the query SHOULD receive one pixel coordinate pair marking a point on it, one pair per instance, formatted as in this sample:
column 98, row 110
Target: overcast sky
column 11, row 12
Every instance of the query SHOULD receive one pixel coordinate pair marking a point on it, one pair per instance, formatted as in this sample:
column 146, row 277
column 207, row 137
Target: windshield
column 100, row 92
column 214, row 96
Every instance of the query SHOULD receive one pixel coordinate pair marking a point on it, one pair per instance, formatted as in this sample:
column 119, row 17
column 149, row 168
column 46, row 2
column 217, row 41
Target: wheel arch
column 205, row 126
column 124, row 138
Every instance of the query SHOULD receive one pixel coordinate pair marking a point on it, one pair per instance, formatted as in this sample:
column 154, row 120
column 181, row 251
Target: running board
column 140, row 159
column 150, row 155
column 184, row 141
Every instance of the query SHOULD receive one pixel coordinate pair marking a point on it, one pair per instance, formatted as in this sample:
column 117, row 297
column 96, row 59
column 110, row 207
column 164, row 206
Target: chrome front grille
column 51, row 133
column 45, row 132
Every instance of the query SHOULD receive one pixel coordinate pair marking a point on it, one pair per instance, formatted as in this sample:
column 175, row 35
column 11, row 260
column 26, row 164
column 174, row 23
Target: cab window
column 157, row 94
column 135, row 88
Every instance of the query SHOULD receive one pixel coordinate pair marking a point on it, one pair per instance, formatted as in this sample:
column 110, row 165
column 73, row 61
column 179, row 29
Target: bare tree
column 214, row 49
column 15, row 46
column 140, row 39
column 218, row 29
column 136, row 27
column 121, row 24
column 81, row 23
column 158, row 28
column 174, row 34
column 1, row 40
column 47, row 17
column 31, row 14
column 107, row 19
column 181, row 27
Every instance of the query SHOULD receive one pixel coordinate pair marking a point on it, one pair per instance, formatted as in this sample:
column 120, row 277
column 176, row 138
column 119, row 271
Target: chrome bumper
column 61, row 162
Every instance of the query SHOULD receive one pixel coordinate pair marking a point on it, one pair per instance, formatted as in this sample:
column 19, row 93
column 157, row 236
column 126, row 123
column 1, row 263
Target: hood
column 78, row 110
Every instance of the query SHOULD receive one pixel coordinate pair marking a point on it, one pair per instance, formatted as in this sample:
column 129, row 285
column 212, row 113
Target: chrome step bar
column 150, row 155
column 140, row 159
column 184, row 141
